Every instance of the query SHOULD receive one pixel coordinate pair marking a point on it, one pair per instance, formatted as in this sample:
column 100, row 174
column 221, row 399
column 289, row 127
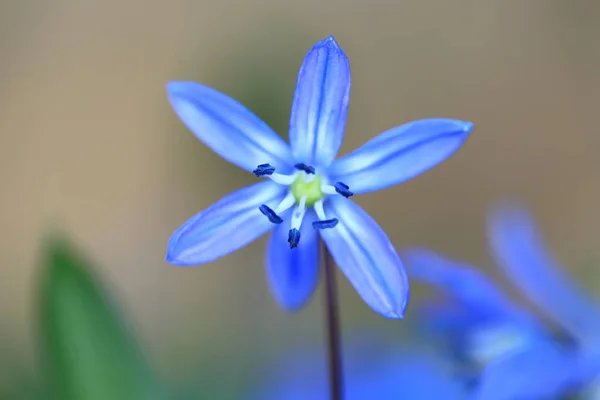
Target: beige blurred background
column 88, row 142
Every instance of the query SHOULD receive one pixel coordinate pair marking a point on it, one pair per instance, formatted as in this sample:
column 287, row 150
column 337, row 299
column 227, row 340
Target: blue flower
column 519, row 249
column 525, row 259
column 475, row 313
column 509, row 352
column 519, row 355
column 307, row 192
column 373, row 370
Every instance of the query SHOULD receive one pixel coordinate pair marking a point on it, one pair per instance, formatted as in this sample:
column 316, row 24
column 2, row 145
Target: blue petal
column 374, row 368
column 320, row 104
column 522, row 254
column 400, row 154
column 474, row 291
column 471, row 338
column 544, row 371
column 364, row 253
column 293, row 273
column 478, row 321
column 407, row 375
column 227, row 127
column 229, row 224
column 446, row 318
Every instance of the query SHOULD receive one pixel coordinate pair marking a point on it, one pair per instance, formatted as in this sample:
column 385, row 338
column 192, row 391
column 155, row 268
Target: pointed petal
column 479, row 320
column 229, row 224
column 293, row 273
column 543, row 371
column 473, row 290
column 364, row 253
column 521, row 253
column 227, row 127
column 400, row 154
column 320, row 104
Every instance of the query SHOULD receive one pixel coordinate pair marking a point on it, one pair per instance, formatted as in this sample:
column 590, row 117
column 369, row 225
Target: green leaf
column 87, row 352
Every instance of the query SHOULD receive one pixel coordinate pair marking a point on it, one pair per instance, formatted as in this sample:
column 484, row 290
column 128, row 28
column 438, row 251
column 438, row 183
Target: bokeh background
column 89, row 143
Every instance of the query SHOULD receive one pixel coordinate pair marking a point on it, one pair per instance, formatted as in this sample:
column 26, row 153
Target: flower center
column 308, row 186
column 306, row 189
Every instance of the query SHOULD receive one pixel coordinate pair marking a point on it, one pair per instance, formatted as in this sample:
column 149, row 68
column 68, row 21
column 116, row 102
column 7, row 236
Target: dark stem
column 334, row 344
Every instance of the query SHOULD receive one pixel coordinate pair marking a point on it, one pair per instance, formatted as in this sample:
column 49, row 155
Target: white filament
column 308, row 177
column 320, row 210
column 286, row 203
column 298, row 214
column 328, row 189
column 283, row 179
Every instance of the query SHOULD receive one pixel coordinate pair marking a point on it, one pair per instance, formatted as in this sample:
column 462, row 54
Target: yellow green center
column 312, row 190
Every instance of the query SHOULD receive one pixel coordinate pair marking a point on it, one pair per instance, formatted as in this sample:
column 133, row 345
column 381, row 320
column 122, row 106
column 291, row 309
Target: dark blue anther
column 264, row 169
column 274, row 218
column 306, row 168
column 342, row 189
column 293, row 237
column 325, row 224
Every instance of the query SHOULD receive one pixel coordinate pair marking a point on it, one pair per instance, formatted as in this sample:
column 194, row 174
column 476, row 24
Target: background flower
column 375, row 369
column 518, row 354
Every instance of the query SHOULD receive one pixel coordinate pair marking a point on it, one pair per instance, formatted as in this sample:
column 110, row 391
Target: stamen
column 325, row 224
column 293, row 238
column 286, row 203
column 306, row 168
column 309, row 177
column 328, row 189
column 299, row 212
column 264, row 169
column 319, row 210
column 342, row 189
column 283, row 179
column 273, row 217
column 297, row 217
column 338, row 188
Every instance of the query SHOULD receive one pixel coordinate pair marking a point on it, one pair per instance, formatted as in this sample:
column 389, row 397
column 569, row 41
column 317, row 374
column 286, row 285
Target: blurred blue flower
column 307, row 189
column 520, row 357
column 373, row 370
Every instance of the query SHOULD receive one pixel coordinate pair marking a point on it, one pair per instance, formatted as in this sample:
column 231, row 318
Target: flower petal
column 473, row 290
column 320, row 104
column 229, row 224
column 293, row 273
column 400, row 154
column 544, row 371
column 364, row 253
column 521, row 253
column 478, row 320
column 227, row 127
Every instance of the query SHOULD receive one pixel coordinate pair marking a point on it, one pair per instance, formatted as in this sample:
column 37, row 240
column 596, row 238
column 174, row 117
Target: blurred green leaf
column 87, row 353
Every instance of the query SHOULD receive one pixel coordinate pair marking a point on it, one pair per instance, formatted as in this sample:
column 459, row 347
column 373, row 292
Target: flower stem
column 333, row 328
